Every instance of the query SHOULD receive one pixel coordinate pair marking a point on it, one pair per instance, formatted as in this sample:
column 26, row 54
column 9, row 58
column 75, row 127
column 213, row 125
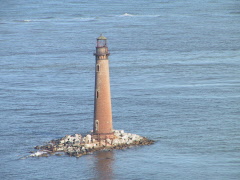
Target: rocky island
column 78, row 145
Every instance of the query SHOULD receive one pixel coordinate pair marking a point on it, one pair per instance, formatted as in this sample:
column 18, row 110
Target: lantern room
column 101, row 41
column 102, row 49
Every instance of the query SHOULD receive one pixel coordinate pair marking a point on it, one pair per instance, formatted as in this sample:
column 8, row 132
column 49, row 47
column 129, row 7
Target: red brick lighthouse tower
column 102, row 125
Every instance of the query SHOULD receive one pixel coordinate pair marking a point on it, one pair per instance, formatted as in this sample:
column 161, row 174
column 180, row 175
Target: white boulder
column 88, row 139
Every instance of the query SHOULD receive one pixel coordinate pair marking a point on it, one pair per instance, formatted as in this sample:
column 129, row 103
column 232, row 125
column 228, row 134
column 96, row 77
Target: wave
column 86, row 19
column 25, row 20
column 127, row 14
column 132, row 15
column 80, row 19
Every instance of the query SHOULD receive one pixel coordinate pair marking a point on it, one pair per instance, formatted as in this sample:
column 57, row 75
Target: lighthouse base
column 103, row 136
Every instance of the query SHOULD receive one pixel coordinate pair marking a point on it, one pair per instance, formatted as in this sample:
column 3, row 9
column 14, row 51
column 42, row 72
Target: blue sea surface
column 175, row 78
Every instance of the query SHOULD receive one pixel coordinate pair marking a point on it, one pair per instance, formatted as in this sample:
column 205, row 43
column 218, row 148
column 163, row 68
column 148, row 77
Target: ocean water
column 175, row 78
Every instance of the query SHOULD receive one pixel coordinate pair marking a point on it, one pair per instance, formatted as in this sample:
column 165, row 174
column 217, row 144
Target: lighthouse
column 102, row 124
column 103, row 136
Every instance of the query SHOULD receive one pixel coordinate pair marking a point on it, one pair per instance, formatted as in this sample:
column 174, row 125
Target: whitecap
column 130, row 15
column 27, row 20
column 38, row 153
column 127, row 14
column 85, row 19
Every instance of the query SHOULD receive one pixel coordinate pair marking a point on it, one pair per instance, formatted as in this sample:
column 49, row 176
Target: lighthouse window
column 97, row 94
column 96, row 125
column 98, row 68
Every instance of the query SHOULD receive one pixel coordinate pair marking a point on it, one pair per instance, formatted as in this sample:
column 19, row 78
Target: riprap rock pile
column 78, row 145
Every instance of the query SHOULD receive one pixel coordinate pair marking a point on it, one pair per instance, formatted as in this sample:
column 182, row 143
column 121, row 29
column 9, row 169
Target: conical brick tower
column 102, row 125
